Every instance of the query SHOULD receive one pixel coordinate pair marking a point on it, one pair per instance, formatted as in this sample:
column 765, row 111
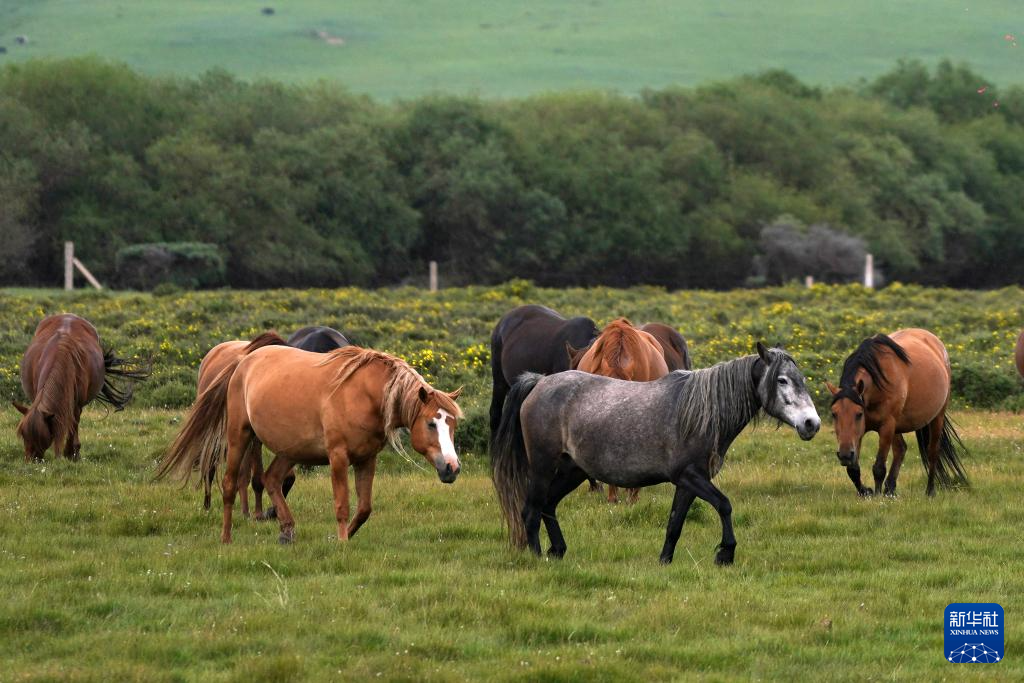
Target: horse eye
column 859, row 415
column 783, row 381
column 431, row 424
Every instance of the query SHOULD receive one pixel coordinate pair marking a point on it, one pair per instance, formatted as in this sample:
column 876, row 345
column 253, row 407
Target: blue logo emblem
column 974, row 633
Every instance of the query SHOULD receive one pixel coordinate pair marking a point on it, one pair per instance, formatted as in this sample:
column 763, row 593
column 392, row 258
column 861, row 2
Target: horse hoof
column 891, row 493
column 556, row 553
column 665, row 559
column 725, row 555
column 286, row 537
column 866, row 493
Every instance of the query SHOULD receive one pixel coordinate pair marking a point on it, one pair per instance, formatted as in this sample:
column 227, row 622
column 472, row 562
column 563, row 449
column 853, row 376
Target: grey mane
column 717, row 401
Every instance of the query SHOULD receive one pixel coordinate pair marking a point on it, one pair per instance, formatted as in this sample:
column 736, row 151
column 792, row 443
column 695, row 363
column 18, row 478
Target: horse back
column 923, row 386
column 216, row 359
column 672, row 344
column 318, row 339
column 55, row 337
column 533, row 338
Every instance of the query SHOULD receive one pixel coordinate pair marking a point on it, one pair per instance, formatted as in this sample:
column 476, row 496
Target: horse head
column 782, row 392
column 433, row 431
column 35, row 430
column 848, row 418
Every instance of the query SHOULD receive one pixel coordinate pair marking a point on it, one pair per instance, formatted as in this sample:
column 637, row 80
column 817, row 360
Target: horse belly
column 620, row 458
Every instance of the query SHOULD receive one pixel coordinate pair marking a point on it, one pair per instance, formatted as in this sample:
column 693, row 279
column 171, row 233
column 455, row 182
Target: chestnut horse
column 893, row 385
column 623, row 352
column 339, row 409
column 315, row 339
column 63, row 369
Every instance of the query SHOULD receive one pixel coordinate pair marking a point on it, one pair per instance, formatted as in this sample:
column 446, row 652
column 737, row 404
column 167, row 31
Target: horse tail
column 119, row 378
column 951, row 450
column 200, row 444
column 509, row 462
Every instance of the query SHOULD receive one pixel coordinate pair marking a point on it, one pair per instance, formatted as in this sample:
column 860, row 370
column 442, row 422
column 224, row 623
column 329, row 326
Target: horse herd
column 569, row 403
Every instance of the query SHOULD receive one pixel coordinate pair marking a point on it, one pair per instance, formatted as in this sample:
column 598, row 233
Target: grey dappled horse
column 557, row 431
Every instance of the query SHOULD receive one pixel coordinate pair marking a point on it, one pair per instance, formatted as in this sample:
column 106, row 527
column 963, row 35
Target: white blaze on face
column 444, row 439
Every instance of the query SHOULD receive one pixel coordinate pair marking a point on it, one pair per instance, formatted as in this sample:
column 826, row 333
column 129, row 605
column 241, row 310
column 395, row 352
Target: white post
column 69, row 266
column 88, row 276
column 433, row 276
column 809, row 281
column 869, row 271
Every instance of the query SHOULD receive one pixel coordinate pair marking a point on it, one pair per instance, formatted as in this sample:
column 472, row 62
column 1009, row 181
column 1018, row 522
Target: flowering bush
column 446, row 335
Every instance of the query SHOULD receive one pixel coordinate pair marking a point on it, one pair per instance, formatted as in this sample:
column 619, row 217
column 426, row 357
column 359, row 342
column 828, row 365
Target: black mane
column 866, row 356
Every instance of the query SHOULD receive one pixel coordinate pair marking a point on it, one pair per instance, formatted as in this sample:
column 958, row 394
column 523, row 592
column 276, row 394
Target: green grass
column 108, row 576
column 404, row 49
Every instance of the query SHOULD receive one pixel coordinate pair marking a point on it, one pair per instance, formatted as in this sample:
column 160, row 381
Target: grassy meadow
column 108, row 576
column 398, row 49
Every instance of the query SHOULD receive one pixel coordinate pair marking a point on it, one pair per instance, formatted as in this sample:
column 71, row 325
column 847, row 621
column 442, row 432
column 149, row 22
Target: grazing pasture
column 108, row 575
column 392, row 50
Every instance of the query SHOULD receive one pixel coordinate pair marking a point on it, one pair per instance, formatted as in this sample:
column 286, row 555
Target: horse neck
column 719, row 402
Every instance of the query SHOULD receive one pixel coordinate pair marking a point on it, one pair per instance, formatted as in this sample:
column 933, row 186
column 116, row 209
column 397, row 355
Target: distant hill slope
column 391, row 49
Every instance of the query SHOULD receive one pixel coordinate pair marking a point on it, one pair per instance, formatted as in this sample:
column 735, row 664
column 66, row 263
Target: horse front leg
column 899, row 449
column 73, row 446
column 681, row 503
column 364, row 491
column 701, row 486
column 272, row 479
column 886, row 433
column 338, row 458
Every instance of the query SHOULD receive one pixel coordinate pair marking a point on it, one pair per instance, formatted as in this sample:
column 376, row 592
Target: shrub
column 189, row 265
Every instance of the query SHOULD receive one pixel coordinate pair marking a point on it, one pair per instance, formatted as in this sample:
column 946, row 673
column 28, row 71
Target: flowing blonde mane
column 400, row 401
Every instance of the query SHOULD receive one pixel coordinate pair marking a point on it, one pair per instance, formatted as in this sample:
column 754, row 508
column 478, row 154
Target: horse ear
column 832, row 388
column 762, row 351
column 22, row 408
column 424, row 395
column 455, row 394
column 860, row 387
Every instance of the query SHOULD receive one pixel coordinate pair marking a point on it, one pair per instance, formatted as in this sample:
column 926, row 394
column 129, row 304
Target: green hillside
column 401, row 49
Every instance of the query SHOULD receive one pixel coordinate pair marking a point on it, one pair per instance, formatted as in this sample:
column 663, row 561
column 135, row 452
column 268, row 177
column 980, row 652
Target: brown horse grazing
column 63, row 369
column 623, row 352
column 673, row 344
column 339, row 409
column 893, row 385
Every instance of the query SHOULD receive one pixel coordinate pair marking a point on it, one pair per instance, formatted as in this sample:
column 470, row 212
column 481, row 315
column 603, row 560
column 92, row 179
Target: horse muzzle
column 847, row 459
column 446, row 473
column 808, row 428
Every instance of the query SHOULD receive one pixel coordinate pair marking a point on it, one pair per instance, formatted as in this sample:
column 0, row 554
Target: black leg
column 681, row 503
column 698, row 483
column 288, row 482
column 878, row 470
column 542, row 472
column 853, row 471
column 565, row 482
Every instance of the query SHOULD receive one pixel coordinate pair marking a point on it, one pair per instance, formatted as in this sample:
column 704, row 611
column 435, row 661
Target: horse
column 532, row 339
column 673, row 344
column 623, row 352
column 63, row 369
column 556, row 431
column 317, row 339
column 340, row 409
column 893, row 385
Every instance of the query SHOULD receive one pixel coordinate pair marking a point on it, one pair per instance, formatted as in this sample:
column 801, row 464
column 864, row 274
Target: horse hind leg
column 238, row 439
column 935, row 428
column 899, row 449
column 681, row 503
column 565, row 482
column 272, row 479
column 542, row 473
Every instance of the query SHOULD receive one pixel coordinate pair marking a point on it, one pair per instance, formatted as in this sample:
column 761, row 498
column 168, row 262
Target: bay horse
column 558, row 430
column 673, row 345
column 63, row 369
column 318, row 339
column 339, row 408
column 623, row 352
column 532, row 339
column 1018, row 355
column 893, row 385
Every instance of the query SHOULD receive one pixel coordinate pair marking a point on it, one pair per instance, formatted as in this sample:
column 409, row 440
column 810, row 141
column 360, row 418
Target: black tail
column 951, row 450
column 120, row 377
column 510, row 466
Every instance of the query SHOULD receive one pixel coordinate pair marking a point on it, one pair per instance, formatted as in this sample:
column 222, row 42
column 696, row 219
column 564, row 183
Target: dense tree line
column 314, row 186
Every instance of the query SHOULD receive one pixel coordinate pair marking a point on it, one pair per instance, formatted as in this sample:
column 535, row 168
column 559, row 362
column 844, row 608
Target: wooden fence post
column 433, row 276
column 869, row 271
column 69, row 266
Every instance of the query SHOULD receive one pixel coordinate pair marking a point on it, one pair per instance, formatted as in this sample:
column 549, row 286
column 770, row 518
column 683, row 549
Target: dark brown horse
column 338, row 409
column 532, row 339
column 318, row 339
column 63, row 369
column 623, row 352
column 893, row 385
column 1018, row 355
column 673, row 345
